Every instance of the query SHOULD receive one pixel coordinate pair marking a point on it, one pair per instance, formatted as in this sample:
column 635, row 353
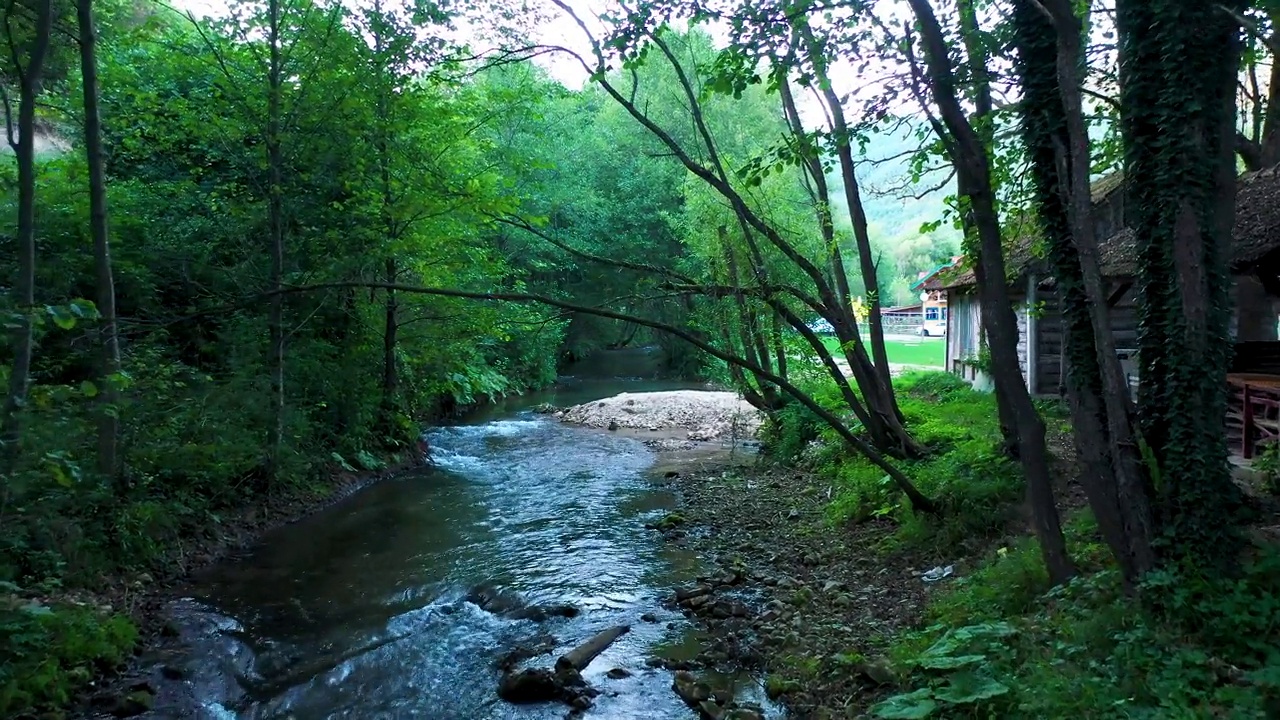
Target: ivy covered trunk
column 1049, row 61
column 1178, row 79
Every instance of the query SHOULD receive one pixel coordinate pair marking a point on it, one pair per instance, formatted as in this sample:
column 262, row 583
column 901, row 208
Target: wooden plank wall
column 1124, row 326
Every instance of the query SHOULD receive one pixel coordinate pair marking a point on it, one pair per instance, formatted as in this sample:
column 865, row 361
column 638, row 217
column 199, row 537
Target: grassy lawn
column 929, row 352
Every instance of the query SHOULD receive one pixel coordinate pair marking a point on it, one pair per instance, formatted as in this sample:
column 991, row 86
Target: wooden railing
column 1253, row 411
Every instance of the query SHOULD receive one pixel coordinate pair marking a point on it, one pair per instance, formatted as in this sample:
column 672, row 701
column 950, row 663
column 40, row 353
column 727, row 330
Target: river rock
column 491, row 598
column 539, row 613
column 618, row 673
column 533, row 685
column 743, row 713
column 683, row 595
column 649, row 618
column 690, row 689
column 128, row 704
column 710, row 710
column 728, row 577
column 877, row 672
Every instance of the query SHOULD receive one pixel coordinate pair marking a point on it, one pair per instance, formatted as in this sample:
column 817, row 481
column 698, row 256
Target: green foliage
column 789, row 431
column 52, row 652
column 1002, row 644
column 1267, row 463
column 975, row 485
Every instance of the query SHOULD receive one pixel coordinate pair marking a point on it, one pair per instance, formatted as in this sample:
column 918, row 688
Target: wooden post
column 1246, row 423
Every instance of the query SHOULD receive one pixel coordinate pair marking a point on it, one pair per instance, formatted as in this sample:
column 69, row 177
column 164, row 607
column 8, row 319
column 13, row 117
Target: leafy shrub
column 1204, row 649
column 790, row 430
column 932, row 385
column 975, row 484
column 52, row 652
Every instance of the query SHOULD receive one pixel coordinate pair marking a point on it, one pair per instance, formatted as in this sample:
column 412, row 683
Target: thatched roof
column 1256, row 235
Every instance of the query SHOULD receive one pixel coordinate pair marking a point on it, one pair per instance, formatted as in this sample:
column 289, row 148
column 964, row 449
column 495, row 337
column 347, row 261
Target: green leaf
column 970, row 687
column 911, row 706
column 342, row 461
column 88, row 389
column 947, row 662
column 367, row 461
column 61, row 317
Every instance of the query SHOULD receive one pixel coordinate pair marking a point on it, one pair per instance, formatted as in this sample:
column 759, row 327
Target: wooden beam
column 1118, row 293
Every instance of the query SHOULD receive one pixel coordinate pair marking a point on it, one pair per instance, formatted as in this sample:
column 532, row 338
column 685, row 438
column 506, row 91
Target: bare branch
column 1252, row 28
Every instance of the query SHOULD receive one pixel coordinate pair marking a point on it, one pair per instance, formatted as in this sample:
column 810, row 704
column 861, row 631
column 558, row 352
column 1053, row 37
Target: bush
column 976, row 486
column 50, row 653
column 1004, row 646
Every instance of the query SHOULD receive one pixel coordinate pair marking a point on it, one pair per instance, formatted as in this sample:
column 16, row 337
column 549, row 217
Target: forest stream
column 361, row 610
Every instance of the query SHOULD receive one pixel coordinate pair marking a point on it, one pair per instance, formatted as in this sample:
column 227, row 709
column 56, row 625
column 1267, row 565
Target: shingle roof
column 1257, row 234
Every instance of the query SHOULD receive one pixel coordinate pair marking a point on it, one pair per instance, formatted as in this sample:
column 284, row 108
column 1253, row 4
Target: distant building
column 933, row 299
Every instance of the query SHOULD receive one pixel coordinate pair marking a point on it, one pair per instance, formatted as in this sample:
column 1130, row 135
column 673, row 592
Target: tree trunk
column 275, row 221
column 970, row 155
column 1055, row 132
column 581, row 656
column 108, row 418
column 390, row 376
column 1178, row 124
column 30, row 80
column 857, row 215
column 1002, row 335
column 885, row 423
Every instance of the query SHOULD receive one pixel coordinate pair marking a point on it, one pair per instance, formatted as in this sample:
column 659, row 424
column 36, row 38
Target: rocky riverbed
column 800, row 603
column 701, row 415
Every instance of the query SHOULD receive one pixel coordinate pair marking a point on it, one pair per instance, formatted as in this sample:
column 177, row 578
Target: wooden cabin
column 1255, row 270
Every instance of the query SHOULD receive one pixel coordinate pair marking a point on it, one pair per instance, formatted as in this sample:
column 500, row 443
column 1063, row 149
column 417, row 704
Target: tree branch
column 918, row 500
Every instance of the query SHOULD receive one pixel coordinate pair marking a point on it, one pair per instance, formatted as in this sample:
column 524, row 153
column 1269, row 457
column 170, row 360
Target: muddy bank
column 804, row 605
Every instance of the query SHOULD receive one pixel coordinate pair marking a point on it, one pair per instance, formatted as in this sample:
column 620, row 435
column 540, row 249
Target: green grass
column 925, row 352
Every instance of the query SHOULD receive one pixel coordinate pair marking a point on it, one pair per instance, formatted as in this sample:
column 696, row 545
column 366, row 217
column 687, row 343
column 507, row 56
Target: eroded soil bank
column 805, row 605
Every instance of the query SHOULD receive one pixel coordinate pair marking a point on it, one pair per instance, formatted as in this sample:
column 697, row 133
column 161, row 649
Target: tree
column 702, row 158
column 30, row 79
column 1049, row 41
column 1178, row 111
column 1258, row 144
column 969, row 151
column 108, row 337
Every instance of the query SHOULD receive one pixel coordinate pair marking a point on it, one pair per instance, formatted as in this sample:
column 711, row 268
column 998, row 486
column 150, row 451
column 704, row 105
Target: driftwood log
column 580, row 657
column 565, row 683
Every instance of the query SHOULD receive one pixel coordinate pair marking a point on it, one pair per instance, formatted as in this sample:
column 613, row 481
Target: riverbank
column 90, row 635
column 813, row 604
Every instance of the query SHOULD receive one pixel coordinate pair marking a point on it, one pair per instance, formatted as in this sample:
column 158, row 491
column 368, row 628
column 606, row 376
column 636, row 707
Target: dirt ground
column 805, row 605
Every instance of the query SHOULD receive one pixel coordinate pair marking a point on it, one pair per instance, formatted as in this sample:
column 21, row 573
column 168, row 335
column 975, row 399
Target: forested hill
column 898, row 208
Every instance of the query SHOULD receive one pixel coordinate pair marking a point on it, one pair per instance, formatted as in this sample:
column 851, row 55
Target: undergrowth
column 1002, row 644
column 53, row 650
column 974, row 483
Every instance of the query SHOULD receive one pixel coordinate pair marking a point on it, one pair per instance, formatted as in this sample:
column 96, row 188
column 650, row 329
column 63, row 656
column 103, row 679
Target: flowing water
column 357, row 611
